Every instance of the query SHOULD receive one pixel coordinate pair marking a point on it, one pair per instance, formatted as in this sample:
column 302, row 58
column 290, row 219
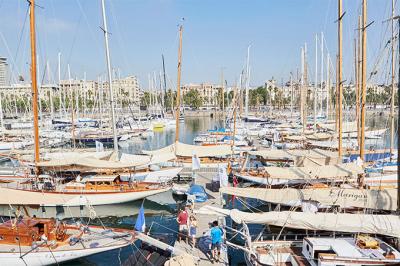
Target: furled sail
column 388, row 225
column 344, row 197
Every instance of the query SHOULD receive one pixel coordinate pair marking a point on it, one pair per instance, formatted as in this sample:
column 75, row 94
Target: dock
column 203, row 223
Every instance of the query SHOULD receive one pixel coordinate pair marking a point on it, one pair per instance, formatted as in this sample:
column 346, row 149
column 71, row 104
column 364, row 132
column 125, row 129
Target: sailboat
column 33, row 241
column 95, row 190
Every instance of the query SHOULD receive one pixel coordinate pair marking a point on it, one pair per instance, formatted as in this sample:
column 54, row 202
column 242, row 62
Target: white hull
column 47, row 258
column 52, row 199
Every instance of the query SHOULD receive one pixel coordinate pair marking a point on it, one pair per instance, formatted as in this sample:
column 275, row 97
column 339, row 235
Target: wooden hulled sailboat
column 98, row 190
column 32, row 241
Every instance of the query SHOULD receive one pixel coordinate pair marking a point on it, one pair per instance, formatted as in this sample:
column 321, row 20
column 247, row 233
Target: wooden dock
column 203, row 223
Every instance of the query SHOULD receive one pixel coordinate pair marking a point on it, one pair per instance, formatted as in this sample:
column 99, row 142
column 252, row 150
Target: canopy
column 344, row 197
column 388, row 225
column 76, row 155
column 187, row 150
column 93, row 163
column 337, row 171
column 152, row 159
column 299, row 157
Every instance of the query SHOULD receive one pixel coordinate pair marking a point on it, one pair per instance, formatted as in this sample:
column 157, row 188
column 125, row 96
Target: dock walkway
column 203, row 223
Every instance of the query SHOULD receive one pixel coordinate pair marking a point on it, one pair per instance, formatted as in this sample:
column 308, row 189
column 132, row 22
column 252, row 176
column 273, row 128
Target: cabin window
column 1, row 238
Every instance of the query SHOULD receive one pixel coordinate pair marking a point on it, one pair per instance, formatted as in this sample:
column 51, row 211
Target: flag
column 195, row 162
column 140, row 224
column 222, row 176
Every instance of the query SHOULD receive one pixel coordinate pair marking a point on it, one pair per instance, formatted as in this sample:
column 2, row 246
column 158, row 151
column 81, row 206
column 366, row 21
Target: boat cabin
column 25, row 231
column 362, row 250
column 96, row 182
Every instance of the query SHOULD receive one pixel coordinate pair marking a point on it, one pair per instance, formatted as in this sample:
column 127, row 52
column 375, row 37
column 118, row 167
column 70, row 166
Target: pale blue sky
column 216, row 34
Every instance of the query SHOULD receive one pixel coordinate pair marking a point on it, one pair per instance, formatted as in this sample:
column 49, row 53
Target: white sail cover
column 94, row 163
column 187, row 150
column 299, row 157
column 388, row 225
column 338, row 171
column 343, row 197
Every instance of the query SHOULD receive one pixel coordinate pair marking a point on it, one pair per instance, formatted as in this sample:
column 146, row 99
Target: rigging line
column 20, row 40
column 9, row 52
column 73, row 44
column 88, row 25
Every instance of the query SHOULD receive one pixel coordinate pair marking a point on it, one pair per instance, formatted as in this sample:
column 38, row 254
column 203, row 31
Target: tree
column 193, row 99
column 145, row 100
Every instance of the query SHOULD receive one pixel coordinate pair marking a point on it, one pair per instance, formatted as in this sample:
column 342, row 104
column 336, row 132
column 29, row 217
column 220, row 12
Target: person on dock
column 193, row 229
column 216, row 241
column 182, row 220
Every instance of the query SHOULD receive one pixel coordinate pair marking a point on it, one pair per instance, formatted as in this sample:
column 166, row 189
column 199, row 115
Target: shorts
column 193, row 231
column 216, row 246
column 183, row 227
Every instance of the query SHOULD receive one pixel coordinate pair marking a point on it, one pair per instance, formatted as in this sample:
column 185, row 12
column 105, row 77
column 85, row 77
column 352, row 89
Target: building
column 3, row 71
column 208, row 92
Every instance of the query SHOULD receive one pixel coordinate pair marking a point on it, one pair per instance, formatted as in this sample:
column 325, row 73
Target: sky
column 216, row 36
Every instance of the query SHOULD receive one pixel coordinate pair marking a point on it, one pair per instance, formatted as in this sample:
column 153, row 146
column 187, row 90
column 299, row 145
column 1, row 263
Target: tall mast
column 339, row 72
column 59, row 84
column 34, row 81
column 72, row 108
column 358, row 79
column 305, row 89
column 322, row 71
column 110, row 86
column 291, row 95
column 234, row 104
column 393, row 87
column 223, row 95
column 246, row 110
column 178, row 85
column 363, row 77
column 316, row 82
column 51, row 90
column 302, row 89
column 328, row 84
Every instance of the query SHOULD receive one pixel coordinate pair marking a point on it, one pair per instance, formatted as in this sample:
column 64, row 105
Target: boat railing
column 300, row 236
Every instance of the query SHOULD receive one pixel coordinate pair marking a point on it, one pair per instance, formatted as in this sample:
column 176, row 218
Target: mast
column 328, row 84
column 305, row 89
column 51, row 90
column 291, row 95
column 109, row 77
column 393, row 87
column 302, row 89
column 358, row 79
column 322, row 71
column 246, row 110
column 178, row 85
column 59, row 84
column 34, row 81
column 316, row 81
column 363, row 78
column 339, row 73
column 223, row 95
column 235, row 97
column 72, row 108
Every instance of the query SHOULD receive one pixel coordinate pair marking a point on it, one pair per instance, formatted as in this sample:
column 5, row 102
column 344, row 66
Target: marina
column 104, row 169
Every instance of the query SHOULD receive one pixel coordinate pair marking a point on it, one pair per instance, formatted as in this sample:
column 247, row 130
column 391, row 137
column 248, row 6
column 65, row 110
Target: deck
column 203, row 221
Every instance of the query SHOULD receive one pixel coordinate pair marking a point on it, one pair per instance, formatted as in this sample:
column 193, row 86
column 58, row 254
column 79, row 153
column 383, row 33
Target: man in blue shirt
column 216, row 240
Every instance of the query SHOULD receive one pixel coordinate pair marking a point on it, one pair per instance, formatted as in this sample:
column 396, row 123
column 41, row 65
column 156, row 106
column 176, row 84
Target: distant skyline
column 216, row 35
